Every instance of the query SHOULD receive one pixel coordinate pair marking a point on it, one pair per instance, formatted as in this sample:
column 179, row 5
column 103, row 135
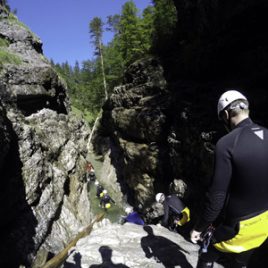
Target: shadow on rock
column 106, row 254
column 17, row 226
column 77, row 262
column 163, row 250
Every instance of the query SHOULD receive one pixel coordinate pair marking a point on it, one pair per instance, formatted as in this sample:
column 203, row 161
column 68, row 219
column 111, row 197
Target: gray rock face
column 133, row 246
column 52, row 150
column 135, row 117
column 30, row 83
column 44, row 200
column 156, row 138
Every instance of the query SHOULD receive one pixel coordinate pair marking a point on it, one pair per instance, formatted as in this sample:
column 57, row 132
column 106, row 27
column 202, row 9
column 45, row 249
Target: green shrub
column 3, row 42
column 6, row 57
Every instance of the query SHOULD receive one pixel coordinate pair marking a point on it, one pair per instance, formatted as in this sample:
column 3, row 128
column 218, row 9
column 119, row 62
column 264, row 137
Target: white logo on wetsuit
column 257, row 131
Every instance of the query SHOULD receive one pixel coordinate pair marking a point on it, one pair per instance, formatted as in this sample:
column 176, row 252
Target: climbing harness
column 206, row 239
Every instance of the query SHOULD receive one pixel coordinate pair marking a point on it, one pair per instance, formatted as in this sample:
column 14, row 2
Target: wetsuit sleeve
column 166, row 214
column 216, row 195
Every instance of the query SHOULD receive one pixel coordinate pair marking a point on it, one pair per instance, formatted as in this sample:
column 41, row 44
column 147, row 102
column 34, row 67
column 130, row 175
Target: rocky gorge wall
column 44, row 200
column 157, row 139
column 158, row 129
column 161, row 124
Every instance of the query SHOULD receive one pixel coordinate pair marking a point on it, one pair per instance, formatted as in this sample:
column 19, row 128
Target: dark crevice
column 29, row 104
column 38, row 47
column 67, row 186
column 18, row 225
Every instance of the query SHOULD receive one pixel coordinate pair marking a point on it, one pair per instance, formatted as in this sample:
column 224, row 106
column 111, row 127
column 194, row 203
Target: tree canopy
column 135, row 35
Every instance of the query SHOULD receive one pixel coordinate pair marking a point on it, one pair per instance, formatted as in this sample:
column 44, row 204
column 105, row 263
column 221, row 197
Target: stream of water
column 114, row 213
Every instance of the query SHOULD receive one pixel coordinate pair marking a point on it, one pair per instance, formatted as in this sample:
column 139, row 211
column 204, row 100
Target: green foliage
column 113, row 65
column 164, row 23
column 85, row 87
column 96, row 32
column 6, row 57
column 135, row 35
column 133, row 41
column 113, row 23
column 147, row 28
column 4, row 42
column 86, row 115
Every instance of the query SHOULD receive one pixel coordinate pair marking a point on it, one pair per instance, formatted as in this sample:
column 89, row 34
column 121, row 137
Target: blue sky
column 62, row 25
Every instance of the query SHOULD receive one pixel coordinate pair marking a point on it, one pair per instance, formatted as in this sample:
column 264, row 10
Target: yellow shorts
column 252, row 233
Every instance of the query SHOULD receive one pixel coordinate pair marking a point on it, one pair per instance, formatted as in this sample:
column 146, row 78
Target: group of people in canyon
column 235, row 216
column 105, row 199
column 234, row 221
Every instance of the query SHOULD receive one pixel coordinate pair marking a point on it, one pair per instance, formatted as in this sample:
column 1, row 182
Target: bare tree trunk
column 58, row 259
column 103, row 71
column 93, row 130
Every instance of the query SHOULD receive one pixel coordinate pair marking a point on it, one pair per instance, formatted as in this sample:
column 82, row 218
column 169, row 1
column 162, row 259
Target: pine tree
column 165, row 19
column 147, row 24
column 96, row 31
column 134, row 32
column 129, row 37
column 113, row 23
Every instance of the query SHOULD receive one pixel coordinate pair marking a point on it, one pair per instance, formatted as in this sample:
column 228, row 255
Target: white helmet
column 97, row 183
column 128, row 210
column 105, row 191
column 160, row 197
column 228, row 97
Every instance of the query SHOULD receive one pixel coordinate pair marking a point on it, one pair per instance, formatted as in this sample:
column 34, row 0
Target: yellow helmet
column 108, row 205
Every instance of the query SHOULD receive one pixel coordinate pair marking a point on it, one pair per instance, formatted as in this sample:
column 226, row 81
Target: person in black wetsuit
column 174, row 209
column 99, row 189
column 105, row 200
column 238, row 194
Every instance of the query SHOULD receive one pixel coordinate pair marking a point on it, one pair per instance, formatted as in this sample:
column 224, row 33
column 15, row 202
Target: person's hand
column 156, row 259
column 195, row 236
column 148, row 255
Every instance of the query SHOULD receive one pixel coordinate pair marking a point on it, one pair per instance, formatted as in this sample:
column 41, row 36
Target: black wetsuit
column 99, row 190
column 240, row 181
column 172, row 205
column 106, row 199
column 239, row 188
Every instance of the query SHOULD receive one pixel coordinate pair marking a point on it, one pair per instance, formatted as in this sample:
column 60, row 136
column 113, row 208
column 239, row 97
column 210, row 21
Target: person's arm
column 146, row 248
column 166, row 214
column 217, row 192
